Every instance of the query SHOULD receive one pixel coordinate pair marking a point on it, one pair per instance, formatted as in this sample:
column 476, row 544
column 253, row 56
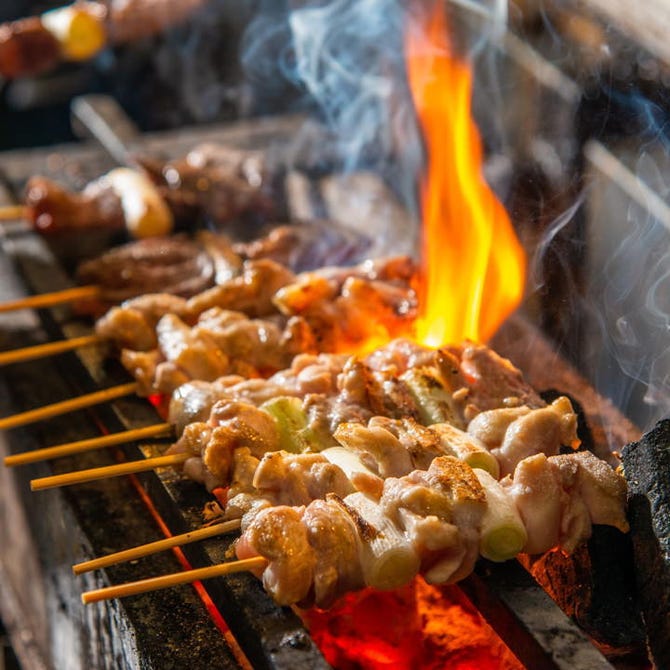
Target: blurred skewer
column 52, row 299
column 48, row 349
column 154, row 547
column 13, row 212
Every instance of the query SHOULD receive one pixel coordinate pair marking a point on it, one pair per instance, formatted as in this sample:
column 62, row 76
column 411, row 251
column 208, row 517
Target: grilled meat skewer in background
column 211, row 184
column 79, row 31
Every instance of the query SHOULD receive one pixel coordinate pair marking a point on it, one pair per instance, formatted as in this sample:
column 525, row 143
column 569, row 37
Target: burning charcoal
column 594, row 586
column 646, row 465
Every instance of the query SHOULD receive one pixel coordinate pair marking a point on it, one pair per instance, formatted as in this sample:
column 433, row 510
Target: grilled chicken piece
column 481, row 380
column 332, row 535
column 297, row 479
column 232, row 425
column 193, row 440
column 338, row 312
column 601, row 488
column 540, row 499
column 279, row 535
column 490, row 427
column 142, row 367
column 399, row 355
column 192, row 350
column 132, row 325
column 306, row 246
column 441, row 510
column 262, row 344
column 243, row 498
column 238, row 424
column 421, row 443
column 382, row 393
column 393, row 447
column 217, row 183
column 250, row 292
column 378, row 448
column 560, row 497
column 193, row 401
column 542, row 430
column 311, row 373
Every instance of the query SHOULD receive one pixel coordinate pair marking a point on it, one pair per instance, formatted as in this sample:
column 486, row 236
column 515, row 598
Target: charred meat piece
column 217, row 184
column 173, row 265
column 53, row 209
column 27, row 48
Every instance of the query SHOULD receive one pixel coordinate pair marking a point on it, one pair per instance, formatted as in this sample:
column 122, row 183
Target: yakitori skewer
column 93, row 474
column 433, row 522
column 91, row 444
column 173, row 264
column 168, row 581
column 65, row 406
column 154, row 547
column 48, row 349
column 51, row 299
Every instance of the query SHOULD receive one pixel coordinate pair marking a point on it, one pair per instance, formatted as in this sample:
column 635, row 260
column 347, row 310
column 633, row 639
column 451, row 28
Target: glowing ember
column 473, row 265
column 422, row 626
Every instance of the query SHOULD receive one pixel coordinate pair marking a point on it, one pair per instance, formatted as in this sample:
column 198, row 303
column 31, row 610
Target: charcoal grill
column 44, row 533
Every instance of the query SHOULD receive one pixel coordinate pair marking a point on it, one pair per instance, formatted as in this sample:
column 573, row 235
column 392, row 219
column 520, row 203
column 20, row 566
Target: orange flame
column 473, row 267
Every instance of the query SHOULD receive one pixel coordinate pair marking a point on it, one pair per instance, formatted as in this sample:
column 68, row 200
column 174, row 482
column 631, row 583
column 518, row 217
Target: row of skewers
column 346, row 470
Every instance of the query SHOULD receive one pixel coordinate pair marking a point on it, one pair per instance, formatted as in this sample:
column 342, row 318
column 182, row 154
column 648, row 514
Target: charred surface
column 646, row 466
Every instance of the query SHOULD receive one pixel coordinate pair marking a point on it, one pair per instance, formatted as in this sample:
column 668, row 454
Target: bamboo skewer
column 65, row 406
column 51, row 299
column 175, row 579
column 130, row 468
column 91, row 444
column 13, row 212
column 48, row 349
column 154, row 547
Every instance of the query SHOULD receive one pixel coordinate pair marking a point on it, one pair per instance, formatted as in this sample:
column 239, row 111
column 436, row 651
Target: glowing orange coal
column 473, row 266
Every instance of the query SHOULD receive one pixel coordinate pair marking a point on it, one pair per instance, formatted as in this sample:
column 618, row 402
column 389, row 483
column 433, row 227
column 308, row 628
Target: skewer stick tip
column 154, row 547
column 13, row 212
column 94, row 443
column 174, row 579
column 105, row 472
